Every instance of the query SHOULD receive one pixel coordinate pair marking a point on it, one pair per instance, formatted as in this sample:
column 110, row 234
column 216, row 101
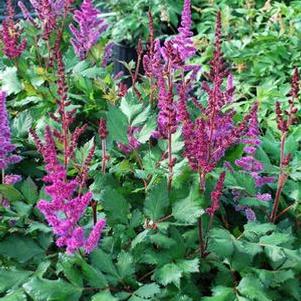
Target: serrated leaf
column 55, row 290
column 156, row 201
column 20, row 248
column 221, row 293
column 188, row 266
column 140, row 238
column 67, row 265
column 129, row 108
column 187, row 211
column 11, row 278
column 276, row 238
column 30, row 191
column 15, row 296
column 10, row 82
column 252, row 288
column 148, row 290
column 117, row 125
column 104, row 296
column 103, row 262
column 142, row 117
column 115, row 206
column 10, row 193
column 125, row 264
column 169, row 273
column 147, row 130
column 22, row 124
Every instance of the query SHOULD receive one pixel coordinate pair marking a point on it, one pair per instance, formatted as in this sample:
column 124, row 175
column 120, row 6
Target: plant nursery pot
column 123, row 53
column 16, row 7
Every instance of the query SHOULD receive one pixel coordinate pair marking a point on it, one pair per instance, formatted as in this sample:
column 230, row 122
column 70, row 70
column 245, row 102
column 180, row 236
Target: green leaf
column 30, row 191
column 15, row 296
column 221, row 293
column 276, row 239
column 142, row 117
column 188, row 266
column 10, row 193
column 187, row 211
column 103, row 262
column 156, row 201
column 22, row 124
column 115, row 206
column 68, row 266
column 117, row 125
column 20, row 248
column 252, row 288
column 104, row 296
column 140, row 238
column 55, row 290
column 169, row 273
column 130, row 108
column 10, row 81
column 220, row 242
column 10, row 278
column 125, row 265
column 94, row 277
column 148, row 128
column 148, row 290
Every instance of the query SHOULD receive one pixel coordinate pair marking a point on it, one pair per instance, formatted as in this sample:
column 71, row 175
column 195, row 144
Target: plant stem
column 3, row 175
column 104, row 155
column 170, row 161
column 281, row 180
column 201, row 238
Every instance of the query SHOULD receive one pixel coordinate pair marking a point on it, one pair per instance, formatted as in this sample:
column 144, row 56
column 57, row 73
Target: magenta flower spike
column 209, row 136
column 90, row 27
column 13, row 46
column 183, row 41
column 65, row 209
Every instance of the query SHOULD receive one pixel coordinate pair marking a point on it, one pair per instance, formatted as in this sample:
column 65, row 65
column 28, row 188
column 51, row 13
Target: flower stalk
column 285, row 119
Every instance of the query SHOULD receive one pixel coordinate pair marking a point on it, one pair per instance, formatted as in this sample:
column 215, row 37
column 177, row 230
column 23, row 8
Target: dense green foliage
column 149, row 250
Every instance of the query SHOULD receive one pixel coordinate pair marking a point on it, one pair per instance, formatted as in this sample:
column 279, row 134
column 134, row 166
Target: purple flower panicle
column 12, row 179
column 90, row 28
column 13, row 46
column 216, row 195
column 64, row 210
column 183, row 41
column 6, row 147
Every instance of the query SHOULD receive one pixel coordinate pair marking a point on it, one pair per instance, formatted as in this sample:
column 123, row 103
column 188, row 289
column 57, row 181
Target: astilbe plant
column 209, row 136
column 285, row 120
column 68, row 202
column 13, row 46
column 90, row 27
column 162, row 63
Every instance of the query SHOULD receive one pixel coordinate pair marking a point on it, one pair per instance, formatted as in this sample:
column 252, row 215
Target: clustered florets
column 90, row 28
column 64, row 211
column 13, row 46
column 6, row 147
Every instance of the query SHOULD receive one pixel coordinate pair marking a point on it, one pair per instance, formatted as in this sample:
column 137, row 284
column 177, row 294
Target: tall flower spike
column 90, row 28
column 64, row 210
column 285, row 120
column 183, row 41
column 6, row 147
column 209, row 136
column 13, row 46
column 47, row 16
column 216, row 195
